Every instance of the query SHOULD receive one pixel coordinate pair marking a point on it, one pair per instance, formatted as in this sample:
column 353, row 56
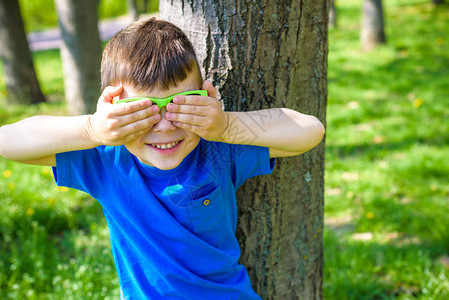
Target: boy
column 165, row 176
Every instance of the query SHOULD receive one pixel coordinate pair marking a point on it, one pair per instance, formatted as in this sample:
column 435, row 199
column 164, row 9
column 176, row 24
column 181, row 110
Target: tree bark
column 20, row 76
column 80, row 53
column 373, row 32
column 267, row 54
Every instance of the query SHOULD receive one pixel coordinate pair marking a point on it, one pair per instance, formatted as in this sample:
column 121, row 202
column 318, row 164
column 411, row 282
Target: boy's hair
column 148, row 54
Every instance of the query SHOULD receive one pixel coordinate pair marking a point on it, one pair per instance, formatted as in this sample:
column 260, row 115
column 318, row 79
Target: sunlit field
column 387, row 149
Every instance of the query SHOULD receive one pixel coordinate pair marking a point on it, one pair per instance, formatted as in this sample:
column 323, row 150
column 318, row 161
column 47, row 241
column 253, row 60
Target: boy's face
column 164, row 146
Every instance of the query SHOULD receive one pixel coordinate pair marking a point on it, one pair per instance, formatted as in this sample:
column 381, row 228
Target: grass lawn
column 387, row 195
column 386, row 214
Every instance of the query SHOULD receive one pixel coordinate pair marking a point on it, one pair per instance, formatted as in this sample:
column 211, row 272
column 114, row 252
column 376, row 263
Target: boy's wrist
column 89, row 133
column 224, row 137
column 236, row 130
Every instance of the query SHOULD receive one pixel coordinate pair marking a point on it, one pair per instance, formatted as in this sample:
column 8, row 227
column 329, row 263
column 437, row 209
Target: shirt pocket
column 207, row 212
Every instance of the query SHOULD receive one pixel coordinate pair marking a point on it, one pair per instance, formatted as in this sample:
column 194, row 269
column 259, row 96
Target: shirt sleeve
column 249, row 161
column 81, row 170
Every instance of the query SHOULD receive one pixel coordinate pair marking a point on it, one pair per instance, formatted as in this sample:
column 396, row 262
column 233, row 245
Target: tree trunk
column 264, row 54
column 332, row 15
column 80, row 53
column 438, row 1
column 20, row 76
column 145, row 6
column 133, row 10
column 373, row 32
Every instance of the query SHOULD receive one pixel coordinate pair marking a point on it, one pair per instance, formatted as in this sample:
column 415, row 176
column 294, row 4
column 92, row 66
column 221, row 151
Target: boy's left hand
column 200, row 115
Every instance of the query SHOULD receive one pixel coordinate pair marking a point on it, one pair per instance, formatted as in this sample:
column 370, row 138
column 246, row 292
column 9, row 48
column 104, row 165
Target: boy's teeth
column 166, row 146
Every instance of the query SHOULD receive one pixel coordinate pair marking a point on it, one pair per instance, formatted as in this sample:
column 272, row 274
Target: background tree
column 332, row 14
column 438, row 1
column 80, row 53
column 137, row 7
column 20, row 75
column 265, row 54
column 133, row 10
column 373, row 32
column 146, row 6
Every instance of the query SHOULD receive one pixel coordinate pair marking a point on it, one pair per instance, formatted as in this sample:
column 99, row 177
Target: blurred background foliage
column 387, row 144
column 386, row 190
column 41, row 14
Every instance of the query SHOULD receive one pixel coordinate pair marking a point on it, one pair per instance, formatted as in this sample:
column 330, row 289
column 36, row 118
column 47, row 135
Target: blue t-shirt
column 172, row 232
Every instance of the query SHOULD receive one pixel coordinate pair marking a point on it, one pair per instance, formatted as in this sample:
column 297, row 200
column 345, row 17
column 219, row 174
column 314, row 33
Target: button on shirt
column 172, row 231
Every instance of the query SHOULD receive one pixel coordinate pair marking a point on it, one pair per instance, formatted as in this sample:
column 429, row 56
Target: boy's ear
column 207, row 85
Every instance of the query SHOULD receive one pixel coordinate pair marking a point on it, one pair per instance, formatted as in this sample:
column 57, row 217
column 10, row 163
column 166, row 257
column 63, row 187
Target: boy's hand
column 118, row 124
column 200, row 115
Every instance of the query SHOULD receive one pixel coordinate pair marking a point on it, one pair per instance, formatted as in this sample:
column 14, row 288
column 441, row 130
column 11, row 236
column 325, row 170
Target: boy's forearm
column 41, row 136
column 279, row 128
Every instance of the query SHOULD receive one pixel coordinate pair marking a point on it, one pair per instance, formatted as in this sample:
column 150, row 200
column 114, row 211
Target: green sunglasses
column 161, row 102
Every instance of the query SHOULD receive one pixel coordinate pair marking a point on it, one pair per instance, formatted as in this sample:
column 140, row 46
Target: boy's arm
column 38, row 139
column 284, row 131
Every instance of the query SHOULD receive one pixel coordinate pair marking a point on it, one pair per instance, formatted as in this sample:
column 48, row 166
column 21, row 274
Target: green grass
column 54, row 240
column 386, row 208
column 386, row 157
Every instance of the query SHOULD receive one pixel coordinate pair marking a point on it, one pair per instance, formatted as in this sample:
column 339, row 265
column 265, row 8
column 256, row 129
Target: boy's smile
column 164, row 146
column 167, row 146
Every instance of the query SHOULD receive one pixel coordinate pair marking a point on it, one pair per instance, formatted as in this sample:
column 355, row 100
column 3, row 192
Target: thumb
column 207, row 85
column 110, row 92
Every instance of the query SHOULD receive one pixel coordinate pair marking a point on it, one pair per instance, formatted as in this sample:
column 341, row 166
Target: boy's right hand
column 118, row 124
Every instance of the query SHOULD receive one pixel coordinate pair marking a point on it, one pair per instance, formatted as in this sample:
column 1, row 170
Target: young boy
column 165, row 176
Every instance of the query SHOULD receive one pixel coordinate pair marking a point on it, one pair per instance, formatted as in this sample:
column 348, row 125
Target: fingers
column 116, row 124
column 106, row 102
column 191, row 100
column 110, row 92
column 198, row 114
column 200, row 110
column 197, row 105
column 141, row 126
column 186, row 118
column 207, row 85
column 140, row 115
column 189, row 127
column 120, row 130
column 123, row 109
column 134, row 118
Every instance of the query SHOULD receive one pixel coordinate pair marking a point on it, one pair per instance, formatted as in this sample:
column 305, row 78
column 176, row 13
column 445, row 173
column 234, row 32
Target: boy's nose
column 163, row 125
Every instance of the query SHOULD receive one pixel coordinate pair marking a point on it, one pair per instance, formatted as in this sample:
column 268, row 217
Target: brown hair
column 148, row 54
